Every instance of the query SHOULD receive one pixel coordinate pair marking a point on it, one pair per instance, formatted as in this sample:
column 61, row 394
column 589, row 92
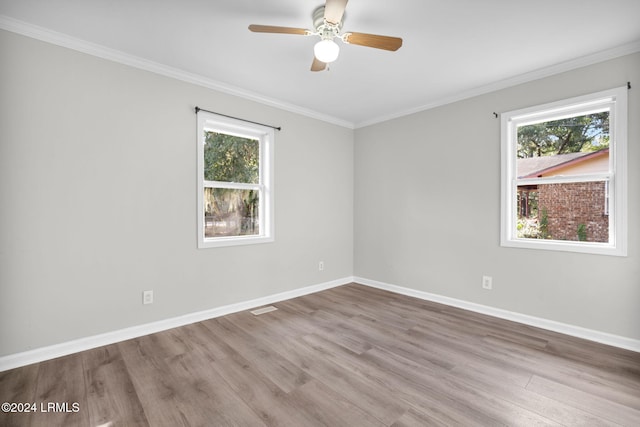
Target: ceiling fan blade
column 373, row 40
column 278, row 30
column 317, row 65
column 334, row 9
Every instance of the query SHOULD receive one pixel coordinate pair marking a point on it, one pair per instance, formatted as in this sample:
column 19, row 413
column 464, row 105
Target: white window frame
column 266, row 136
column 616, row 101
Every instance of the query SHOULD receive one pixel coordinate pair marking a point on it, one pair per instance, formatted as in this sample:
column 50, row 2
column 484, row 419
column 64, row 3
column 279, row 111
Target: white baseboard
column 50, row 352
column 563, row 328
column 57, row 350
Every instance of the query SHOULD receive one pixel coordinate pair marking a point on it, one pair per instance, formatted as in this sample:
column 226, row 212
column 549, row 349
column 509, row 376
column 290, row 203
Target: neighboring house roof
column 532, row 167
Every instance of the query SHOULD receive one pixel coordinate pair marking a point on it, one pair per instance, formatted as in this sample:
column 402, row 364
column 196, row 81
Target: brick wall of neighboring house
column 569, row 205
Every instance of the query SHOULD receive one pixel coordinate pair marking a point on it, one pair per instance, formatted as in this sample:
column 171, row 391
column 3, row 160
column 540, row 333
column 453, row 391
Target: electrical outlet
column 320, row 265
column 487, row 282
column 147, row 297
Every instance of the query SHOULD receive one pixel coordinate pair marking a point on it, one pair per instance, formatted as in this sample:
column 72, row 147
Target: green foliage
column 527, row 228
column 544, row 225
column 532, row 228
column 582, row 232
column 569, row 135
column 231, row 158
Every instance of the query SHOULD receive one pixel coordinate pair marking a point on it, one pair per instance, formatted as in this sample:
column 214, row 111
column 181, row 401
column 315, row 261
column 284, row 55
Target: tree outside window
column 235, row 196
column 564, row 175
column 564, row 147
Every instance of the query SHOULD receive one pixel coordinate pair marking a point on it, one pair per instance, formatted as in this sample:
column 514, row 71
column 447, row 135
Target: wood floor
column 349, row 356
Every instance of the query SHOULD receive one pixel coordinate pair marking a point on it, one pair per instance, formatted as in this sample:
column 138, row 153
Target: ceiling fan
column 327, row 22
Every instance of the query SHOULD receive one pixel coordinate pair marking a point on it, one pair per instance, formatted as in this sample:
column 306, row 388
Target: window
column 564, row 175
column 235, row 194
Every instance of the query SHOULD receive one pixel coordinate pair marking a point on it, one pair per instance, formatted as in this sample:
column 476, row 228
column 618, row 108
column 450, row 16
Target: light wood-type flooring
column 349, row 356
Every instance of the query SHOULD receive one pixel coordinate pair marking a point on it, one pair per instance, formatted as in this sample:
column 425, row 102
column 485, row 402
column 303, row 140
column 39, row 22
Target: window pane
column 569, row 146
column 230, row 158
column 576, row 211
column 230, row 212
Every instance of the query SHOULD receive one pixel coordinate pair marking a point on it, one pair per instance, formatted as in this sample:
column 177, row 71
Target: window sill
column 566, row 246
column 233, row 241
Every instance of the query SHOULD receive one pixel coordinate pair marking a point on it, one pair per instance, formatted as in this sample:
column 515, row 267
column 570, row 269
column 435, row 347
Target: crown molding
column 562, row 67
column 69, row 42
column 64, row 40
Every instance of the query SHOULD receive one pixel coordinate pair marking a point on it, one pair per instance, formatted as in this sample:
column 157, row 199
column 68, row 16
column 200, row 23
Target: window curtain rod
column 495, row 115
column 198, row 109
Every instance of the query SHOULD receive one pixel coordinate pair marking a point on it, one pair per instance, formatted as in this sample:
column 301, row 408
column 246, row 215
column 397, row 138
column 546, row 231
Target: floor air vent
column 263, row 310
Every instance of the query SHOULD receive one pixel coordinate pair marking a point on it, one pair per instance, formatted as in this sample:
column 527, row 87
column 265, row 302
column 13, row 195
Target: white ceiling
column 452, row 48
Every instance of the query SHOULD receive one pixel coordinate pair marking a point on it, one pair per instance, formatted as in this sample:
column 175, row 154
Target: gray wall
column 427, row 209
column 98, row 202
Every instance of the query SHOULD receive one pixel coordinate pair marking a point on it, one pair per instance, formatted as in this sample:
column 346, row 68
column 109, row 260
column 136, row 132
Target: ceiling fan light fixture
column 327, row 24
column 326, row 51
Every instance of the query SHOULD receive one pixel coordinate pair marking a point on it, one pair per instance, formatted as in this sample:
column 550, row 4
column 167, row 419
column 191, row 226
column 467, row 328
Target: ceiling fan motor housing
column 326, row 30
column 327, row 24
